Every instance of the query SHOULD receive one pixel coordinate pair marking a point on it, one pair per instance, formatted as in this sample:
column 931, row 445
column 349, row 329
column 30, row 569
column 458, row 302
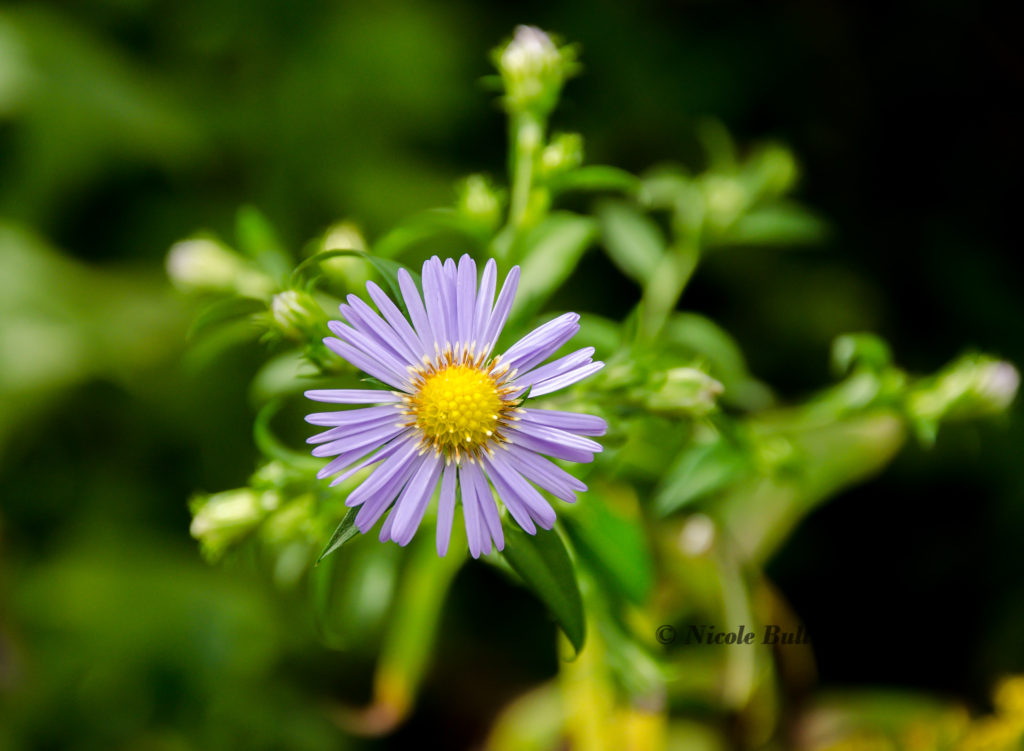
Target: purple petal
column 484, row 302
column 573, row 422
column 499, row 467
column 353, row 396
column 545, row 445
column 559, row 366
column 368, row 364
column 354, row 429
column 410, row 506
column 546, row 474
column 417, row 312
column 498, row 316
column 465, row 299
column 449, row 285
column 398, row 321
column 363, row 317
column 485, row 499
column 565, row 379
column 541, row 343
column 381, row 501
column 377, row 437
column 446, row 508
column 385, row 528
column 351, row 416
column 470, row 511
column 382, row 474
column 397, row 443
column 434, row 298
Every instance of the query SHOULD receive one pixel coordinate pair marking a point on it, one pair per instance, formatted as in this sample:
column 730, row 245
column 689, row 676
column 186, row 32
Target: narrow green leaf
column 346, row 531
column 224, row 311
column 633, row 240
column 551, row 253
column 543, row 563
column 699, row 471
column 595, row 177
column 257, row 239
column 614, row 544
column 387, row 269
column 778, row 224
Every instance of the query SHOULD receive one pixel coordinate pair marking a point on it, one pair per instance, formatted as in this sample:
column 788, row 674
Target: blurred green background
column 126, row 125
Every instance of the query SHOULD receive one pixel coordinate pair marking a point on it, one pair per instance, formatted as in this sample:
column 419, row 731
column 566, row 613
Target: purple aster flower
column 453, row 417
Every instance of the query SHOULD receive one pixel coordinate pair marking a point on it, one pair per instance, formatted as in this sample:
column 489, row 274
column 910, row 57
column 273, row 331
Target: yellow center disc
column 457, row 407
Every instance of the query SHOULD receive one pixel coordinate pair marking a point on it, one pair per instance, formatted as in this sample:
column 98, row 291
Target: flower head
column 454, row 417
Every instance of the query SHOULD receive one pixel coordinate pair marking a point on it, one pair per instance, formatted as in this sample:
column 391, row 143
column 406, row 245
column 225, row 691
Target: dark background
column 906, row 120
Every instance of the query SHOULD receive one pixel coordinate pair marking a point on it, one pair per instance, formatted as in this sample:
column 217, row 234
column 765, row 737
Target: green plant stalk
column 526, row 135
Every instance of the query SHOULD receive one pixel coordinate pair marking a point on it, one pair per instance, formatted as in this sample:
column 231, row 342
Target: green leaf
column 552, row 250
column 387, row 269
column 346, row 531
column 224, row 311
column 596, row 177
column 699, row 471
column 614, row 544
column 633, row 240
column 425, row 225
column 543, row 563
column 257, row 239
column 778, row 224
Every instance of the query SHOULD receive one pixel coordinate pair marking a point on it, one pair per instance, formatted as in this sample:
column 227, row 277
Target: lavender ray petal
column 385, row 528
column 543, row 342
column 353, row 396
column 412, row 504
column 470, row 512
column 573, row 422
column 488, row 506
column 545, row 473
column 556, row 436
column 375, row 351
column 382, row 474
column 355, row 429
column 363, row 316
column 496, row 320
column 368, row 364
column 538, row 506
column 550, row 447
column 433, row 297
column 386, row 451
column 515, row 507
column 374, row 507
column 449, row 285
column 417, row 312
column 484, row 302
column 398, row 321
column 446, row 508
column 465, row 299
column 565, row 379
column 556, row 367
column 369, row 438
column 352, row 416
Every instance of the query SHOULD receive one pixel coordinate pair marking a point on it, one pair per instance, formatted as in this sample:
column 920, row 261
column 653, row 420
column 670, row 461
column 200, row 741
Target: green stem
column 526, row 131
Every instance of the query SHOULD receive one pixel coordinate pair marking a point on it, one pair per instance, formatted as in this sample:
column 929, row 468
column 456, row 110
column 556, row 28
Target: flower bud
column 564, row 153
column 480, row 200
column 683, row 391
column 973, row 386
column 223, row 519
column 203, row 265
column 297, row 314
column 349, row 270
column 533, row 70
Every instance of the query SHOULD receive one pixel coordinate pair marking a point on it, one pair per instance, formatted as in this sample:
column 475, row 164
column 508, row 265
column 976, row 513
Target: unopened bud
column 223, row 519
column 480, row 200
column 297, row 314
column 973, row 386
column 533, row 70
column 564, row 153
column 203, row 265
column 683, row 391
